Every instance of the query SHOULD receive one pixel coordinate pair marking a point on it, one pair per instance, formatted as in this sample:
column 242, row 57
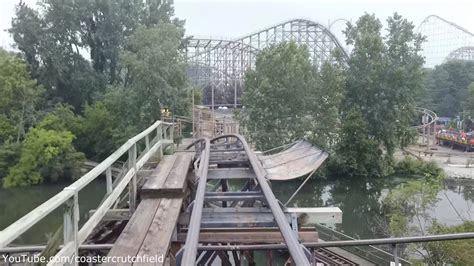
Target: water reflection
column 16, row 202
column 360, row 201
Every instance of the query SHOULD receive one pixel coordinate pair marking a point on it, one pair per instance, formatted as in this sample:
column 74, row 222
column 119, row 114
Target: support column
column 71, row 222
column 132, row 186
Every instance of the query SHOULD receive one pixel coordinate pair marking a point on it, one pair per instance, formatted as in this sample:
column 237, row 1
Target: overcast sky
column 230, row 18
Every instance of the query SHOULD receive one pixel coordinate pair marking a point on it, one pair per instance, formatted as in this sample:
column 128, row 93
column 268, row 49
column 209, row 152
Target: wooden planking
column 266, row 237
column 176, row 183
column 158, row 238
column 158, row 177
column 150, row 229
column 170, row 180
column 135, row 231
column 244, row 217
column 114, row 214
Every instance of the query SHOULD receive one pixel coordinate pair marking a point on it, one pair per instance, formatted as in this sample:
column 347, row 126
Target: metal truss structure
column 463, row 53
column 444, row 40
column 218, row 66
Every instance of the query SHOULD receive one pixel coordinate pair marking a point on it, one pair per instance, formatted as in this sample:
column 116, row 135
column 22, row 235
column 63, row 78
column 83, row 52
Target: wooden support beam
column 115, row 215
column 230, row 163
column 230, row 173
column 234, row 198
column 248, row 237
column 243, row 217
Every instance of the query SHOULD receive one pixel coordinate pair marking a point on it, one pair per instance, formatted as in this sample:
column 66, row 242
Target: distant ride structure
column 218, row 66
column 445, row 40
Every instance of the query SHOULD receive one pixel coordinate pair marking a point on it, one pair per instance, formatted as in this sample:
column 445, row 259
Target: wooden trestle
column 187, row 203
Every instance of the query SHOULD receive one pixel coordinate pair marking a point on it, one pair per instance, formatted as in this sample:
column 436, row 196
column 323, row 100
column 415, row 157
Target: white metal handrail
column 73, row 236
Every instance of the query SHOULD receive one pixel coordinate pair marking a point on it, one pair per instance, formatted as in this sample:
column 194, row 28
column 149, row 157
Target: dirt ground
column 456, row 163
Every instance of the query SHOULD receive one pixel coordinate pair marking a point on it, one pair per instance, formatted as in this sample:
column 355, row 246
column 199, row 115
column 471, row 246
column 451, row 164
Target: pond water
column 359, row 201
column 16, row 202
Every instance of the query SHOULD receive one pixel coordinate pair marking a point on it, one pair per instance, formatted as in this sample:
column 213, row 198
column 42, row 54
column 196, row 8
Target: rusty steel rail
column 296, row 249
column 192, row 238
column 294, row 246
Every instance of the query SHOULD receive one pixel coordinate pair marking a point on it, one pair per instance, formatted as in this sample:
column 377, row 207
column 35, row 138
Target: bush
column 412, row 167
column 452, row 252
column 46, row 155
column 9, row 156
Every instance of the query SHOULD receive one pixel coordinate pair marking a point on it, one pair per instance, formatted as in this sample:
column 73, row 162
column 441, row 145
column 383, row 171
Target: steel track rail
column 295, row 248
column 192, row 238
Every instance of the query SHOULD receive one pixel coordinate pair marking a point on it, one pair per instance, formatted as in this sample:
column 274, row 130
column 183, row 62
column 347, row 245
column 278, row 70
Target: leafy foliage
column 97, row 132
column 284, row 98
column 54, row 38
column 411, row 167
column 409, row 208
column 155, row 73
column 9, row 156
column 19, row 95
column 452, row 252
column 468, row 103
column 357, row 154
column 47, row 155
column 93, row 105
column 446, row 87
column 384, row 76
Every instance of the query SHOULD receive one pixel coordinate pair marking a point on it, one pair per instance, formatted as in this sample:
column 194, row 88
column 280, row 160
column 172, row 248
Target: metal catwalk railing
column 345, row 243
column 153, row 139
column 371, row 253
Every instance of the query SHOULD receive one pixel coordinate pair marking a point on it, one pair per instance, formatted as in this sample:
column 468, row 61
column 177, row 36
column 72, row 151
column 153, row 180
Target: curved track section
column 463, row 53
column 431, row 116
column 222, row 64
column 442, row 38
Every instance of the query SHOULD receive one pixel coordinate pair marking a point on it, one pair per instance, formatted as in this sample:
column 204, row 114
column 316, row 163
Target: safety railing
column 371, row 253
column 151, row 140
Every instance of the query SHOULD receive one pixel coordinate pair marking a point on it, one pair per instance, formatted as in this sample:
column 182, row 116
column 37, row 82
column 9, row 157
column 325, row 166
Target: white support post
column 171, row 127
column 71, row 222
column 108, row 178
column 147, row 142
column 164, row 132
column 132, row 186
column 159, row 132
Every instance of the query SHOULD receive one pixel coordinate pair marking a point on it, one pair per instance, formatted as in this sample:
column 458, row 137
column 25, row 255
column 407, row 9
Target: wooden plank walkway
column 149, row 231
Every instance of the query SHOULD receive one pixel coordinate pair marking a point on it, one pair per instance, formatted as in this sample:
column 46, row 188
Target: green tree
column 468, row 103
column 285, row 100
column 10, row 153
column 97, row 132
column 50, row 43
column 356, row 154
column 384, row 76
column 324, row 103
column 409, row 206
column 446, row 87
column 452, row 252
column 155, row 78
column 19, row 95
column 47, row 154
